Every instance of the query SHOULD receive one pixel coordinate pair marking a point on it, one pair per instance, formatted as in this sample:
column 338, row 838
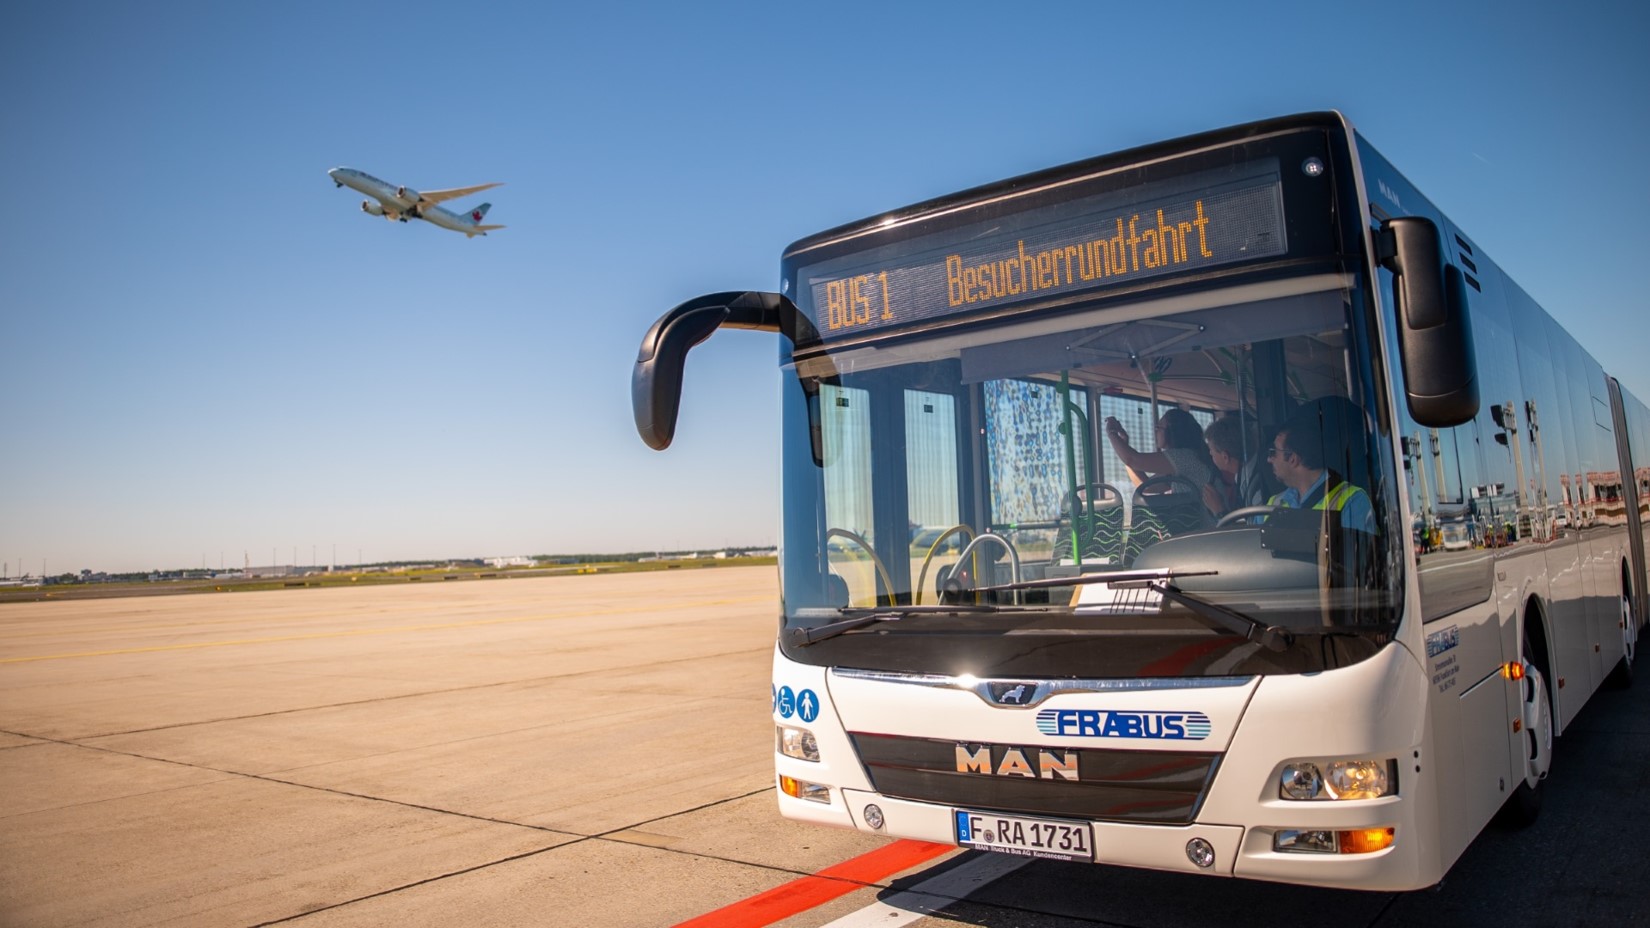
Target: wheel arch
column 1630, row 589
column 1533, row 626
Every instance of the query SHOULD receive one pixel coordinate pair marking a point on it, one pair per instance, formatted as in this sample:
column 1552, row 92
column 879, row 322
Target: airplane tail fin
column 479, row 212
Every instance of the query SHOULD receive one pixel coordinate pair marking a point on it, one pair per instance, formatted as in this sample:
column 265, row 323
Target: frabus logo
column 1110, row 723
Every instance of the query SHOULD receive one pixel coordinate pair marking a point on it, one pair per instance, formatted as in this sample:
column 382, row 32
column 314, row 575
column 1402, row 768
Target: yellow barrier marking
column 352, row 633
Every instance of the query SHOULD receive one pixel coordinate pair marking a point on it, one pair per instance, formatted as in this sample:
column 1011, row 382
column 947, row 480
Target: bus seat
column 1155, row 516
column 1153, row 521
column 1104, row 540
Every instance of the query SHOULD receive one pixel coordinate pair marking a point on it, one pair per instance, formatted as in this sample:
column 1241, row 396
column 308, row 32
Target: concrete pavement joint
column 576, row 838
column 38, row 741
column 377, row 699
column 582, row 839
column 412, row 885
column 321, row 789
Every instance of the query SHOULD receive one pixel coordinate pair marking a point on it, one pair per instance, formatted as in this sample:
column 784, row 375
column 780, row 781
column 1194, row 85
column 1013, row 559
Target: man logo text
column 1015, row 762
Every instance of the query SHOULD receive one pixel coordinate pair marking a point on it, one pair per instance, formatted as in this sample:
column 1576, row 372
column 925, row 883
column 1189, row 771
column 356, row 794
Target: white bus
column 1024, row 609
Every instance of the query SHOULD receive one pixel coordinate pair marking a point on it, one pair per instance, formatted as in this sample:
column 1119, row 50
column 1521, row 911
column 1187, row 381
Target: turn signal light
column 1361, row 841
column 1366, row 840
column 1513, row 670
column 802, row 789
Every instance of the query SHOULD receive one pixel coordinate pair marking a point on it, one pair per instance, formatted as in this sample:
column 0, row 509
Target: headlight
column 798, row 743
column 1358, row 779
column 1301, row 781
column 1340, row 779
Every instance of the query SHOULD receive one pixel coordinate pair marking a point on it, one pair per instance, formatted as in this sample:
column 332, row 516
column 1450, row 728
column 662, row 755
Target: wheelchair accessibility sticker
column 804, row 705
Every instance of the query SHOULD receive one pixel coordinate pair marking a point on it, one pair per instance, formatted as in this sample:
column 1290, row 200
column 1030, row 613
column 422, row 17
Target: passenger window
column 845, row 425
column 1031, row 472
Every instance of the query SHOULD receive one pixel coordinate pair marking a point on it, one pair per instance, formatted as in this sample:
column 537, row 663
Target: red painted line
column 1177, row 662
column 804, row 893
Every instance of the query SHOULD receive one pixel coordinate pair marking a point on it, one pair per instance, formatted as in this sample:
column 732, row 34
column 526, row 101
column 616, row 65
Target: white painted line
column 930, row 896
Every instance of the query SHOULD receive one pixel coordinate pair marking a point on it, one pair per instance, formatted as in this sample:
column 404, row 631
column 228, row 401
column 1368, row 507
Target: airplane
column 405, row 203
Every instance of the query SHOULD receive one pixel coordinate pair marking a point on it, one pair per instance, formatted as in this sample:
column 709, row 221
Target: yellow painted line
column 357, row 632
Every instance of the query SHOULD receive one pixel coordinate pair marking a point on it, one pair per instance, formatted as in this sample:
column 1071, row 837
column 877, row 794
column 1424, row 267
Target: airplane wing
column 438, row 196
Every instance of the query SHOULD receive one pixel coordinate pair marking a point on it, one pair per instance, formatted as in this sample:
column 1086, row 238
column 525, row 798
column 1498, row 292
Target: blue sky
column 210, row 353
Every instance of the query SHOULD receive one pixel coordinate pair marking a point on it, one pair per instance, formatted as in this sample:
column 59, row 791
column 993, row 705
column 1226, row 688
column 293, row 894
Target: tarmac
column 585, row 750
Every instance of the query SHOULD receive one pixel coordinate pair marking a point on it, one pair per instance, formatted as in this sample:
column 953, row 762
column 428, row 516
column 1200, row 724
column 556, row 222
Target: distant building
column 284, row 570
column 517, row 561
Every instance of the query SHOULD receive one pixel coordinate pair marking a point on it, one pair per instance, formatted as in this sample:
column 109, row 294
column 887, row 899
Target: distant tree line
column 631, row 556
column 143, row 576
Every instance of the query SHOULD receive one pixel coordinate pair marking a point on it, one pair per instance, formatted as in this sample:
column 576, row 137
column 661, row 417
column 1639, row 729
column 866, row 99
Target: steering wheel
column 1247, row 512
column 887, row 583
column 1178, row 486
column 922, row 575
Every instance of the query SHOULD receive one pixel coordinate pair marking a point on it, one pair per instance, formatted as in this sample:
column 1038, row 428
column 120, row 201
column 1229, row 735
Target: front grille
column 1158, row 787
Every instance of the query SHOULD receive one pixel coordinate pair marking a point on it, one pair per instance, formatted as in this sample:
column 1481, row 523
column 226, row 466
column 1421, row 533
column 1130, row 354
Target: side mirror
column 1434, row 335
column 656, row 381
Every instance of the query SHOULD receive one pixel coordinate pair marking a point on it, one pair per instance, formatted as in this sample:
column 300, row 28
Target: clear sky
column 210, row 354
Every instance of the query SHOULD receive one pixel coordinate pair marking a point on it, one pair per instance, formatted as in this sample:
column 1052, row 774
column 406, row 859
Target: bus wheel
column 1525, row 803
column 1622, row 676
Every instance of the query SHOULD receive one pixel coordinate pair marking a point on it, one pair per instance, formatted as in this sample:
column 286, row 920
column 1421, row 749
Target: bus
column 1022, row 609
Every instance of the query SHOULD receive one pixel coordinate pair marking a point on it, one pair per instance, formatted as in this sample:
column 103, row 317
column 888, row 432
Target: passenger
column 1239, row 481
column 1180, row 449
column 1297, row 456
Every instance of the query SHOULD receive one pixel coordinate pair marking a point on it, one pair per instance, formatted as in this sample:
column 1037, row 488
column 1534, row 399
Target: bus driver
column 1297, row 458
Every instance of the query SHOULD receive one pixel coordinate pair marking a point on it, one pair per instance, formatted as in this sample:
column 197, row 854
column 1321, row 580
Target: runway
column 584, row 750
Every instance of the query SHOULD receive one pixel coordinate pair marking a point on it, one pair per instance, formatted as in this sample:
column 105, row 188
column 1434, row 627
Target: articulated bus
column 1025, row 610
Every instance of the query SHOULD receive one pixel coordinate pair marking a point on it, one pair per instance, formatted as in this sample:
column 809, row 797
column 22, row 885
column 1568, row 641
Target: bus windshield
column 955, row 500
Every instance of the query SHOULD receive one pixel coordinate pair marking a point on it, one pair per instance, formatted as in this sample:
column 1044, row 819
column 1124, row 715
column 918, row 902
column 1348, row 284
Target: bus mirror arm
column 656, row 381
column 1434, row 333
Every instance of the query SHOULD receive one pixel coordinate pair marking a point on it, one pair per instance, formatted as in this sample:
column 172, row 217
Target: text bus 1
column 997, row 634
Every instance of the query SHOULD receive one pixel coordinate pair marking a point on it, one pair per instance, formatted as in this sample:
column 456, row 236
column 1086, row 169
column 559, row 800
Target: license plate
column 1025, row 837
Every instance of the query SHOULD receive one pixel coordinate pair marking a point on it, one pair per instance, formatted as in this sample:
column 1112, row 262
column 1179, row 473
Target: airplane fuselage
column 403, row 203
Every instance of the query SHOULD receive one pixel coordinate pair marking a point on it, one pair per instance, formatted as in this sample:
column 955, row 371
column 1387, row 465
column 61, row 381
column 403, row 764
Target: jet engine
column 371, row 208
column 406, row 194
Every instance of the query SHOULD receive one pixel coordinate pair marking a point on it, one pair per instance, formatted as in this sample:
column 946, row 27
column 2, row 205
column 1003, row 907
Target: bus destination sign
column 1067, row 248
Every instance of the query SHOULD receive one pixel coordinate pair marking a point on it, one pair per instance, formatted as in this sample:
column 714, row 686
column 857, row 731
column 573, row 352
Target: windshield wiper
column 1270, row 637
column 802, row 637
column 1116, row 576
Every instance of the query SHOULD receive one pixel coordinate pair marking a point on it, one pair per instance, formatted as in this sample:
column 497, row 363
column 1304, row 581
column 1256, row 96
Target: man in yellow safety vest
column 1297, row 457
